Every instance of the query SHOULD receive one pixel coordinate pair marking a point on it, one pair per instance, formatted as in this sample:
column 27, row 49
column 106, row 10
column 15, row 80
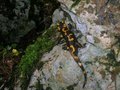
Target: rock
column 60, row 71
column 99, row 56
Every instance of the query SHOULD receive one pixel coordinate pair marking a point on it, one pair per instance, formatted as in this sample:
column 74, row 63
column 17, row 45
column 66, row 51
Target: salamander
column 72, row 45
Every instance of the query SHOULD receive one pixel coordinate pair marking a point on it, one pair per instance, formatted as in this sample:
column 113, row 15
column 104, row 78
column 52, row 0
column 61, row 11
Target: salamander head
column 61, row 26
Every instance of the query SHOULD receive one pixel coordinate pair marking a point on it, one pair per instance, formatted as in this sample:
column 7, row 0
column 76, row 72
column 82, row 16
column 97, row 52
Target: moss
column 32, row 54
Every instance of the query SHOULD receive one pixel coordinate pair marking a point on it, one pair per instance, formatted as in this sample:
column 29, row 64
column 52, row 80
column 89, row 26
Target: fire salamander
column 72, row 45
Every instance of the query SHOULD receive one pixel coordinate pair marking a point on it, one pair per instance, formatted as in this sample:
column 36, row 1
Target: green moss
column 32, row 54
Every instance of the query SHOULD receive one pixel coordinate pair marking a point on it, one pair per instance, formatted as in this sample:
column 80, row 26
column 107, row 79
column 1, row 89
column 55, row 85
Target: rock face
column 60, row 70
column 100, row 56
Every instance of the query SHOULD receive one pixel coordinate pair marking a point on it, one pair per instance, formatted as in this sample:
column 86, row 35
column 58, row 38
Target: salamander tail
column 84, row 72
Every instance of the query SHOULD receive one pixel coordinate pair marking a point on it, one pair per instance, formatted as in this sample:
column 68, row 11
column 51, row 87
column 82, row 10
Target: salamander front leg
column 65, row 47
column 60, row 40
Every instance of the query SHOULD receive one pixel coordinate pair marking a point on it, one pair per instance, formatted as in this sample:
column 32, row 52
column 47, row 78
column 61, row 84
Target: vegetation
column 21, row 42
column 32, row 54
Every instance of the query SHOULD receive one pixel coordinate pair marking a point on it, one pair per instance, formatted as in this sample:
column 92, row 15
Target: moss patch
column 32, row 54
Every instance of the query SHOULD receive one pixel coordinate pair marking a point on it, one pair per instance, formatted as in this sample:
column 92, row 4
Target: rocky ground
column 100, row 56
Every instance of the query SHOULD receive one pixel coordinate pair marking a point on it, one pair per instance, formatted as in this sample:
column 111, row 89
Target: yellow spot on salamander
column 67, row 47
column 70, row 38
column 58, row 24
column 76, row 58
column 73, row 48
column 64, row 25
column 80, row 64
column 65, row 32
column 63, row 21
column 58, row 28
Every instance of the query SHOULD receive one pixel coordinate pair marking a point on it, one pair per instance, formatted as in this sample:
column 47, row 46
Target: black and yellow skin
column 72, row 45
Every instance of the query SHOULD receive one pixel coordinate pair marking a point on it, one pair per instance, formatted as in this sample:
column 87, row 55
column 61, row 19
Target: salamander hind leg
column 79, row 45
